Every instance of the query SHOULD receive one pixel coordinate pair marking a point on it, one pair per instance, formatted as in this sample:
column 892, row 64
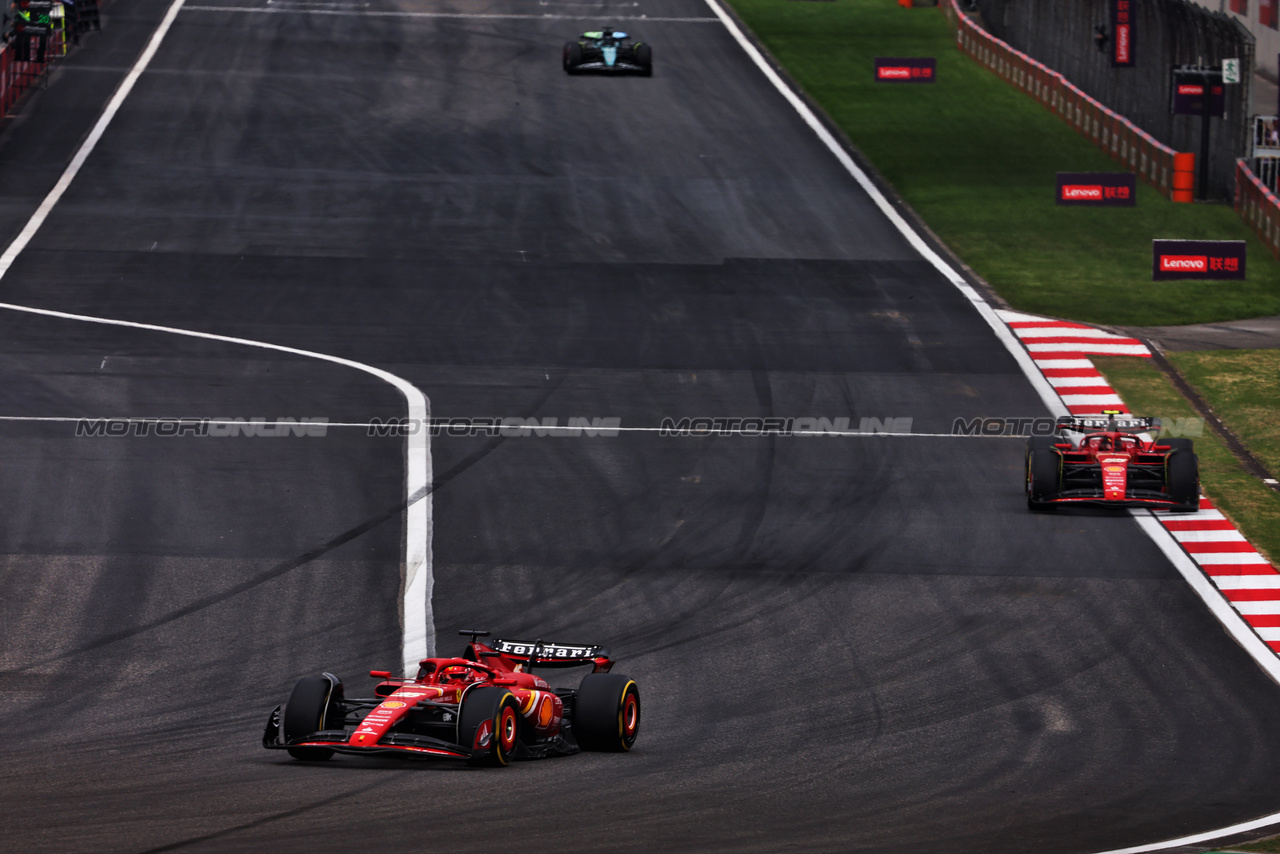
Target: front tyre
column 1037, row 443
column 1182, row 479
column 572, row 57
column 1044, row 477
column 305, row 714
column 606, row 713
column 644, row 59
column 489, row 724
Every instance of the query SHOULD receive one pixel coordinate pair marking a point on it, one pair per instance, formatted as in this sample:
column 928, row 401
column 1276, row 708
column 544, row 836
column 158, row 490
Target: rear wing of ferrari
column 1108, row 422
column 551, row 654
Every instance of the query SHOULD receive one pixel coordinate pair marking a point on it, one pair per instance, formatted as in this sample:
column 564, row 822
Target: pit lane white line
column 1225, row 614
column 480, row 432
column 418, row 639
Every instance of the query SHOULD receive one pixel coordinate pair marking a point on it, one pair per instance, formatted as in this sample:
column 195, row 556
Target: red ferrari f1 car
column 1111, row 460
column 486, row 707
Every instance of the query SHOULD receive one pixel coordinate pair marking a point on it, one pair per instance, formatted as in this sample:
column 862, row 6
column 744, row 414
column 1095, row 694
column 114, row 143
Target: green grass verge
column 1250, row 504
column 1243, row 387
column 977, row 158
column 1267, row 846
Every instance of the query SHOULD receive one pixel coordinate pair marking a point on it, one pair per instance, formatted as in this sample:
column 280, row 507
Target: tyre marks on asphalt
column 196, row 605
column 382, row 781
column 415, row 608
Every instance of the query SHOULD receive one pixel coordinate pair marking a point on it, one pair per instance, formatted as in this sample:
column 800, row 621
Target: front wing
column 1132, row 498
column 403, row 744
column 620, row 67
column 1082, row 484
column 409, row 745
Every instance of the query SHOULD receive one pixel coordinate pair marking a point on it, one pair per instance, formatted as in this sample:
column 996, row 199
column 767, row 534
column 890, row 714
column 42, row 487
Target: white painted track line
column 91, row 141
column 1101, row 349
column 1095, row 381
column 1220, row 535
column 418, row 637
column 1258, row 606
column 1058, row 331
column 550, row 430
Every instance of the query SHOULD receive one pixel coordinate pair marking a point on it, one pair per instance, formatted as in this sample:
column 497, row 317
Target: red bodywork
column 1113, row 467
column 1112, row 452
column 431, row 702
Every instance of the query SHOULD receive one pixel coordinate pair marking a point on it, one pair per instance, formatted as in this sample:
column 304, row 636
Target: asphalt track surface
column 844, row 644
column 1254, row 333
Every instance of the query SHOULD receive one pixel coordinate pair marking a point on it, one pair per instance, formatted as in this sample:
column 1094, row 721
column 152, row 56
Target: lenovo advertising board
column 1098, row 189
column 1122, row 33
column 892, row 69
column 1188, row 93
column 1197, row 259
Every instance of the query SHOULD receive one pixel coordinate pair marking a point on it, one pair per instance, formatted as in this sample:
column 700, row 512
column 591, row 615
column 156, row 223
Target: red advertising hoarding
column 1122, row 35
column 1188, row 92
column 1197, row 259
column 1100, row 189
column 893, row 69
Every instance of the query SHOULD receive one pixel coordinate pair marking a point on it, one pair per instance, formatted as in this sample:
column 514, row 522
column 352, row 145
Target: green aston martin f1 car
column 608, row 51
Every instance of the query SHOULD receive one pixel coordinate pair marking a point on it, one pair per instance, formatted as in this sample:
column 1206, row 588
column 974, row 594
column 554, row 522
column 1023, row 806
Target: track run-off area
column 311, row 212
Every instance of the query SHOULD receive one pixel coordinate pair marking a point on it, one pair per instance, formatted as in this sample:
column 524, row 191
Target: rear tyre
column 305, row 713
column 1044, row 478
column 606, row 713
column 644, row 59
column 572, row 57
column 489, row 724
column 1182, row 479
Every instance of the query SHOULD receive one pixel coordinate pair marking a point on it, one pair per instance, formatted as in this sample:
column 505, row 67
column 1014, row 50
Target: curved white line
column 418, row 638
column 1249, row 641
column 1200, row 838
column 418, row 582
